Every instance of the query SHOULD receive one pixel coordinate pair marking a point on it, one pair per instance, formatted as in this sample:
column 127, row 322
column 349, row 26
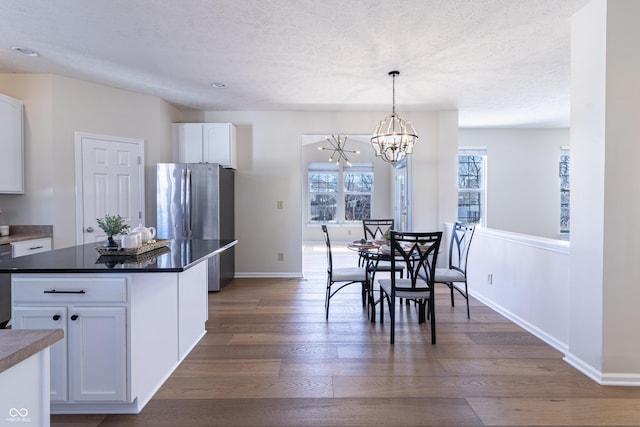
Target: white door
column 110, row 180
column 48, row 318
column 97, row 354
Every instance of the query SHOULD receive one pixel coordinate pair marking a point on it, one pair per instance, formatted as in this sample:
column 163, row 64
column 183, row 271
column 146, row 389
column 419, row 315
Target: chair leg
column 422, row 317
column 382, row 298
column 450, row 285
column 466, row 295
column 392, row 314
column 433, row 319
column 327, row 298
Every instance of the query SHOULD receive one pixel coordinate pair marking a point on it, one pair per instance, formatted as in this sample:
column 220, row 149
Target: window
column 471, row 186
column 340, row 193
column 564, row 172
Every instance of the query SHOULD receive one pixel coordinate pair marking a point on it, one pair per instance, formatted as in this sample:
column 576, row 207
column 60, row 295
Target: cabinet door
column 219, row 144
column 48, row 318
column 97, row 354
column 189, row 140
column 11, row 138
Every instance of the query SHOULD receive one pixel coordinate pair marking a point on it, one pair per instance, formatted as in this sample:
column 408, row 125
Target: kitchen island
column 128, row 322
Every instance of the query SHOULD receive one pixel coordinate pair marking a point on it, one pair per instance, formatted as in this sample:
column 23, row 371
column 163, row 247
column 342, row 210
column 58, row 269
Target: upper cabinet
column 11, row 146
column 205, row 143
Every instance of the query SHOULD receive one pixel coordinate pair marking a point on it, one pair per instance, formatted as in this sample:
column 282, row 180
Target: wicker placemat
column 143, row 259
column 146, row 247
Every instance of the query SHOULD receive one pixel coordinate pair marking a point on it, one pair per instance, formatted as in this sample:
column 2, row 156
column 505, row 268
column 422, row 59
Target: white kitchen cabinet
column 205, row 143
column 90, row 363
column 28, row 247
column 12, row 143
column 48, row 318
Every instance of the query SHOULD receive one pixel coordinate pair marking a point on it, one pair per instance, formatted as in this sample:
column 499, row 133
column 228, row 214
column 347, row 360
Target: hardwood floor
column 271, row 359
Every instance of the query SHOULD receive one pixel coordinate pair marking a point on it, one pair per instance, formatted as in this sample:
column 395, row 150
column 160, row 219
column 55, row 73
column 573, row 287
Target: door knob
column 56, row 317
column 74, row 317
column 89, row 230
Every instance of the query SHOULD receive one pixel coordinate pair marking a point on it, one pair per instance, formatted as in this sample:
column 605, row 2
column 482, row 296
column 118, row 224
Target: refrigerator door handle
column 187, row 205
column 183, row 198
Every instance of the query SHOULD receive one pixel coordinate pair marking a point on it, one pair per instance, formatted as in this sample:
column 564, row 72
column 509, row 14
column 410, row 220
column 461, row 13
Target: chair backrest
column 375, row 228
column 328, row 243
column 461, row 235
column 417, row 253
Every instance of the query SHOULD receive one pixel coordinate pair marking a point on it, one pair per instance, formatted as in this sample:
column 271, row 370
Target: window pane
column 320, row 182
column 358, row 182
column 323, row 207
column 564, row 192
column 469, row 206
column 470, row 171
column 357, row 207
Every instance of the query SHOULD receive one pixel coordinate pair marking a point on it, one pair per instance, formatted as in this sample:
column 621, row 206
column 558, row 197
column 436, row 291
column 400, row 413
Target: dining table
column 373, row 252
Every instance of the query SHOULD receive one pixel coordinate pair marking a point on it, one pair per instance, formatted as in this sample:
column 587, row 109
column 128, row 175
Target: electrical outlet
column 280, row 204
column 280, row 256
column 490, row 279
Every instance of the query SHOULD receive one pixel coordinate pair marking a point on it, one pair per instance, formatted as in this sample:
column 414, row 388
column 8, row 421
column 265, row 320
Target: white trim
column 561, row 246
column 270, row 275
column 553, row 342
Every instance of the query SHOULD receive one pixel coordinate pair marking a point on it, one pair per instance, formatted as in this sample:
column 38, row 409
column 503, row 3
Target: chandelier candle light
column 394, row 137
column 337, row 145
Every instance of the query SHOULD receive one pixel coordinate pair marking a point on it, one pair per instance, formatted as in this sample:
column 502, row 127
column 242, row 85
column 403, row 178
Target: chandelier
column 394, row 137
column 337, row 145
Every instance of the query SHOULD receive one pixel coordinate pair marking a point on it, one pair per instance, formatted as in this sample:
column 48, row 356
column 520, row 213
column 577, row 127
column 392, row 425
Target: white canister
column 131, row 241
column 4, row 230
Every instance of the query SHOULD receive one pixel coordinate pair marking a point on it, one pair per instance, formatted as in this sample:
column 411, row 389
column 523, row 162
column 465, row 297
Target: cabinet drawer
column 28, row 247
column 69, row 289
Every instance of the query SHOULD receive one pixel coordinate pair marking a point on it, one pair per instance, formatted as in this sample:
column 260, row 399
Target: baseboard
column 270, row 275
column 549, row 339
column 612, row 379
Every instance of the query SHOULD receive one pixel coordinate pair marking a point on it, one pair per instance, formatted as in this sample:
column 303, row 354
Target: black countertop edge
column 176, row 257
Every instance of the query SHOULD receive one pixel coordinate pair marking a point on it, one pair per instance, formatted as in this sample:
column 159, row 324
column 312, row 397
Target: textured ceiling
column 499, row 62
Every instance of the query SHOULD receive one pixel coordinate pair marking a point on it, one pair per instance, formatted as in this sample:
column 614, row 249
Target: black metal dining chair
column 338, row 278
column 455, row 277
column 417, row 253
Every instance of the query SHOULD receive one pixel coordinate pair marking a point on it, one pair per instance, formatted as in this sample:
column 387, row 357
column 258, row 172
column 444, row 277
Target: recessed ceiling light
column 219, row 85
column 25, row 51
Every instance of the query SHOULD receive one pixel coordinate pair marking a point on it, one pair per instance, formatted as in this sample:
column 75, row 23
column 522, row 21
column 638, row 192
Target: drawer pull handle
column 36, row 247
column 53, row 291
column 74, row 317
column 56, row 317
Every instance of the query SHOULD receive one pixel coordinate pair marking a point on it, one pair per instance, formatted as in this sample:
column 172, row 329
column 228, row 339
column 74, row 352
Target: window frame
column 482, row 188
column 564, row 169
column 340, row 171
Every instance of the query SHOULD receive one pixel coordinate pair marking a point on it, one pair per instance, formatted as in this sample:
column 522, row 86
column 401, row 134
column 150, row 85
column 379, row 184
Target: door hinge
column 139, row 160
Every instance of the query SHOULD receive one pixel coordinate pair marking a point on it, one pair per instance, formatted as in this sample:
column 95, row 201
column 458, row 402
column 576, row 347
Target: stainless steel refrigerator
column 196, row 201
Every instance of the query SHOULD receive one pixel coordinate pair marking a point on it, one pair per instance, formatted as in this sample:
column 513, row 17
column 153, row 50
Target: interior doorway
column 109, row 180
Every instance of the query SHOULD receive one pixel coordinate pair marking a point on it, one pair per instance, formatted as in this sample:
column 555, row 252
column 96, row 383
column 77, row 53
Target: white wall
column 55, row 108
column 530, row 281
column 605, row 203
column 523, row 187
column 270, row 169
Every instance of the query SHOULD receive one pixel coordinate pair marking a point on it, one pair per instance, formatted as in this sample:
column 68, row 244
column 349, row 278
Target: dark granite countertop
column 19, row 345
column 177, row 256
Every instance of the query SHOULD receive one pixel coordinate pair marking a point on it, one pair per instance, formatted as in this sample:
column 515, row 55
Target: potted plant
column 112, row 225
